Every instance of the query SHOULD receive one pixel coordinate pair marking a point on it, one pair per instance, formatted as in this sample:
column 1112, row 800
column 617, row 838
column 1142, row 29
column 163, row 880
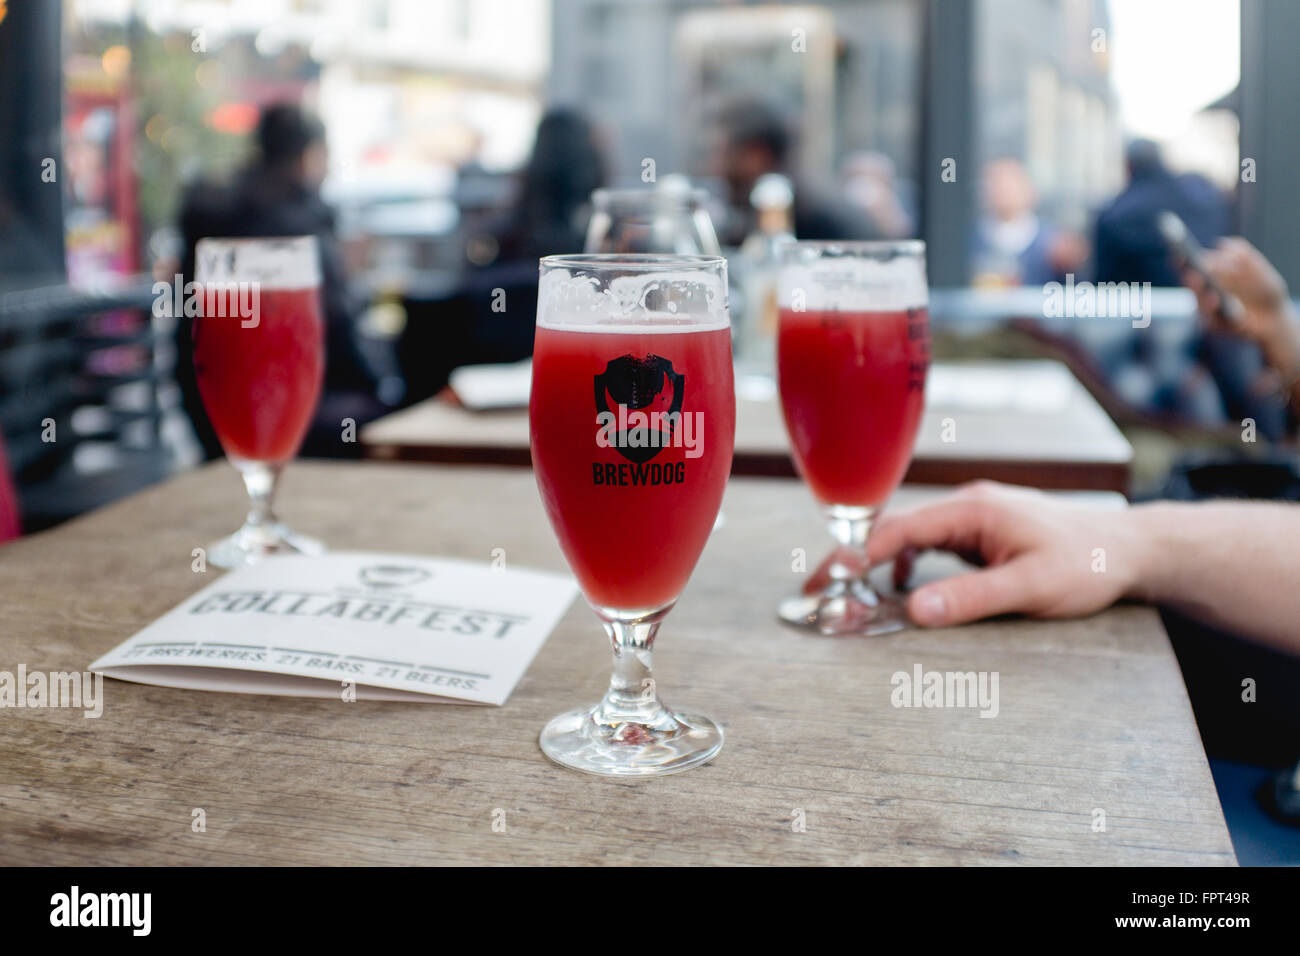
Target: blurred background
column 436, row 148
column 451, row 143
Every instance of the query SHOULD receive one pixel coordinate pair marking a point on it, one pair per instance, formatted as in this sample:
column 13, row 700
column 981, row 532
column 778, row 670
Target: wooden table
column 1093, row 714
column 1024, row 422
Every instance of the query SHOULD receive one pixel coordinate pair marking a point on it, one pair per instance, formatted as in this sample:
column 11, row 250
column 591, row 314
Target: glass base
column 668, row 743
column 251, row 543
column 837, row 598
column 845, row 607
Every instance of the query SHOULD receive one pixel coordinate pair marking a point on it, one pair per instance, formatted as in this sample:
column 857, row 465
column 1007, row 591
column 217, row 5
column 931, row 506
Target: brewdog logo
column 639, row 413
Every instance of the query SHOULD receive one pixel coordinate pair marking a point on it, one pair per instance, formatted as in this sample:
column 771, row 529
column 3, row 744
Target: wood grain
column 1093, row 714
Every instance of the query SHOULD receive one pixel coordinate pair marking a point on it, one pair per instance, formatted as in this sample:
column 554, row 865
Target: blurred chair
column 1126, row 409
column 80, row 380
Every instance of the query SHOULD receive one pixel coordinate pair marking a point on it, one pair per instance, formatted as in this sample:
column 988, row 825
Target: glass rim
column 632, row 262
column 657, row 193
column 278, row 263
column 897, row 247
column 244, row 240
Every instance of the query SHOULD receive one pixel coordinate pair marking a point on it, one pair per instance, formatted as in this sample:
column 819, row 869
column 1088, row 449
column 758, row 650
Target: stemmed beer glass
column 259, row 357
column 853, row 350
column 632, row 419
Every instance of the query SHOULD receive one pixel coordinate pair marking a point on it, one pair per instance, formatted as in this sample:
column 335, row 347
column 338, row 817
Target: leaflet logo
column 102, row 909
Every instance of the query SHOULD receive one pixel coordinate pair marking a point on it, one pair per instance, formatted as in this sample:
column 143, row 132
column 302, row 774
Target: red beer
column 853, row 349
column 852, row 388
column 260, row 382
column 632, row 434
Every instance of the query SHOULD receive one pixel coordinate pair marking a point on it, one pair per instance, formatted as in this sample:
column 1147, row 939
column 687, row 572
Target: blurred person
column 471, row 165
column 478, row 194
column 277, row 193
column 491, row 315
column 755, row 142
column 870, row 182
column 1198, row 378
column 548, row 216
column 1207, row 203
column 1013, row 246
column 553, row 202
column 1128, row 246
column 1268, row 321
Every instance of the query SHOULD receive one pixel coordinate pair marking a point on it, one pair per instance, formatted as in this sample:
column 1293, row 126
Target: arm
column 1231, row 564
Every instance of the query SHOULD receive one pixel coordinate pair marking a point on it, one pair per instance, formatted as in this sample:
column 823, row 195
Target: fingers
column 850, row 563
column 1232, row 252
column 969, row 522
column 969, row 597
column 1207, row 300
column 903, row 567
column 1242, row 270
column 980, row 521
column 1225, row 264
column 953, row 523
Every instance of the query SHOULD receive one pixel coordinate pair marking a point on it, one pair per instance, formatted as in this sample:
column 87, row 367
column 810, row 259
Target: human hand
column 1242, row 271
column 1039, row 554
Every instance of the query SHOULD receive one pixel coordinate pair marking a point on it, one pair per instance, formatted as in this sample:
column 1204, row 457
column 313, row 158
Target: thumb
column 974, row 595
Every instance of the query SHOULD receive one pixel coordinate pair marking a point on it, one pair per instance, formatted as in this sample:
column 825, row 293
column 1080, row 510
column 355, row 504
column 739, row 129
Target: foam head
column 853, row 276
column 647, row 293
column 280, row 263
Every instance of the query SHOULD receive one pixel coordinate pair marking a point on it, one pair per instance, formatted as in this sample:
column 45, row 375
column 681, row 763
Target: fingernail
column 929, row 608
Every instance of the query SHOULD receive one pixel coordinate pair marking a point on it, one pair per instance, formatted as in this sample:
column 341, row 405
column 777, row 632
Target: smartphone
column 1188, row 254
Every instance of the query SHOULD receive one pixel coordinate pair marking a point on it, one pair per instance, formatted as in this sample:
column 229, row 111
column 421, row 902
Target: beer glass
column 259, row 357
column 669, row 218
column 632, row 420
column 853, row 349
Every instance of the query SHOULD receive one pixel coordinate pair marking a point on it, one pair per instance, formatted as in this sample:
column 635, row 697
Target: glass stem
column 632, row 701
column 849, row 526
column 260, row 479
